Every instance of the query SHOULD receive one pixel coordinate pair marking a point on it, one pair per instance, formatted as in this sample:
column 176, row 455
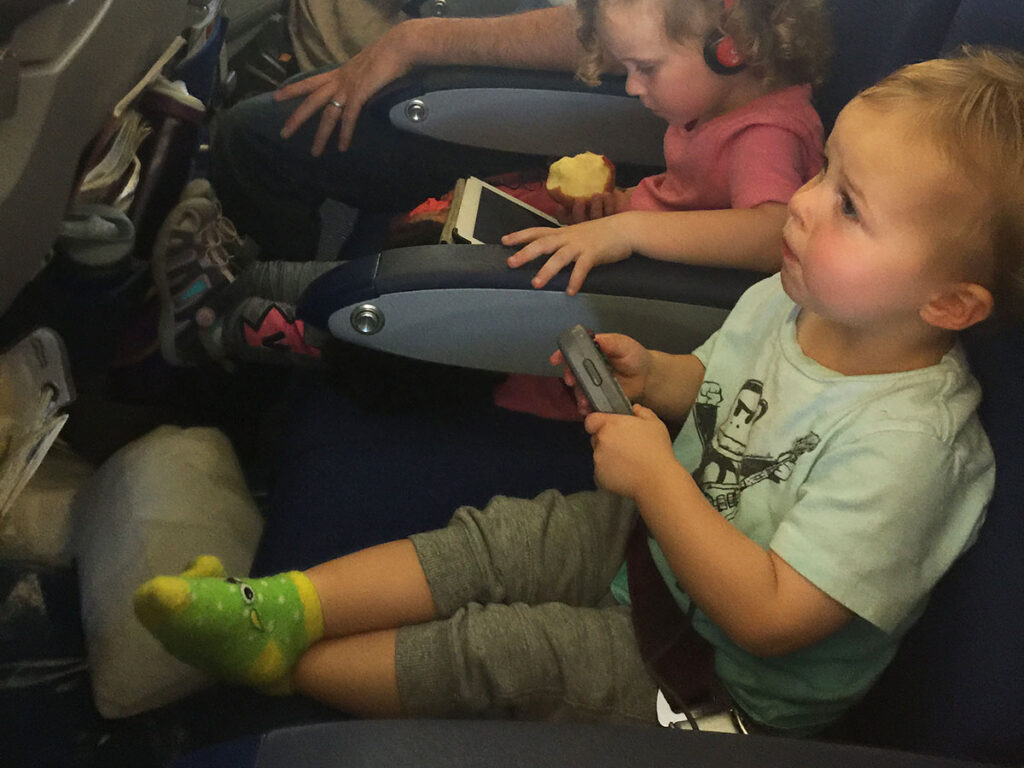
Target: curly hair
column 784, row 42
column 971, row 107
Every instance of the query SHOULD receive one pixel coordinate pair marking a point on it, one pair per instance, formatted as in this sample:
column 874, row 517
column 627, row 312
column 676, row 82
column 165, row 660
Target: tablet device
column 485, row 213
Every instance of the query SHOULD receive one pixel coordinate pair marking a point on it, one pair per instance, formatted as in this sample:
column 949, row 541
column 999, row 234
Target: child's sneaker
column 190, row 271
column 194, row 258
column 197, row 207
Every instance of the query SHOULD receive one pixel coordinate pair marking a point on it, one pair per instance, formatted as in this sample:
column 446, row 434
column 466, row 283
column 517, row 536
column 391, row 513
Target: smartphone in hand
column 593, row 374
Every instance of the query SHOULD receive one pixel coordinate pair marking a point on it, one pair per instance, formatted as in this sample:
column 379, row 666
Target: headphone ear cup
column 721, row 56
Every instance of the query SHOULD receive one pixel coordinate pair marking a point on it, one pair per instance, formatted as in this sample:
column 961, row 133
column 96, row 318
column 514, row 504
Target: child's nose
column 799, row 204
column 633, row 86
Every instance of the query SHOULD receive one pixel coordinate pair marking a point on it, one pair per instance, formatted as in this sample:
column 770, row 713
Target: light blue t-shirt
column 869, row 486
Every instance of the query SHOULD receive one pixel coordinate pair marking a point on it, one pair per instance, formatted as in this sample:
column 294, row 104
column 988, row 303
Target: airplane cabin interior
column 118, row 466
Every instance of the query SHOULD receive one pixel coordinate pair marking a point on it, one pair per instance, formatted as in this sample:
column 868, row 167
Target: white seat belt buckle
column 668, row 717
column 723, row 721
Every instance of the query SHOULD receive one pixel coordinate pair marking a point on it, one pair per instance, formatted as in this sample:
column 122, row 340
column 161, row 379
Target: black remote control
column 590, row 367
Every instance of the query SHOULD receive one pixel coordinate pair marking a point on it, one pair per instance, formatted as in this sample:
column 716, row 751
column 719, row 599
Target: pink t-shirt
column 762, row 152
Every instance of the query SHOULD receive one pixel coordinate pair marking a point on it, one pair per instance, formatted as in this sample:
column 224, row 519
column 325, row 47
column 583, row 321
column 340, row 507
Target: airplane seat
column 952, row 698
column 63, row 66
column 955, row 690
column 437, row 303
column 956, row 686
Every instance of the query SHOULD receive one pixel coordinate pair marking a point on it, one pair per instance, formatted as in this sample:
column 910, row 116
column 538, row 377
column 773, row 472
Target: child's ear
column 958, row 307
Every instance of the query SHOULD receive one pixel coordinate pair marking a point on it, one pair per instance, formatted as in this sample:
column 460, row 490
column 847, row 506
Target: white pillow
column 149, row 509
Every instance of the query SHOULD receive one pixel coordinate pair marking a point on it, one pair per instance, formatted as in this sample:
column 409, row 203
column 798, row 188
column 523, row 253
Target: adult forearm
column 541, row 39
column 748, row 238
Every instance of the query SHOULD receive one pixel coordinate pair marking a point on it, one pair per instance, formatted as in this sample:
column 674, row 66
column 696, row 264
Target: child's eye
column 847, row 207
column 824, row 165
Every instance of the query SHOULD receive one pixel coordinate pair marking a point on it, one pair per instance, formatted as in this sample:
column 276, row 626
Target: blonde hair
column 784, row 42
column 971, row 106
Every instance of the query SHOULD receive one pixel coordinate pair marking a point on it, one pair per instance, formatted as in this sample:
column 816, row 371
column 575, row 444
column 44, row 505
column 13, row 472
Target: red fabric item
column 543, row 396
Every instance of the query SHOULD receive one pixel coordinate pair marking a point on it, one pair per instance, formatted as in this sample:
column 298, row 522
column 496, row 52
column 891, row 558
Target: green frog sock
column 249, row 631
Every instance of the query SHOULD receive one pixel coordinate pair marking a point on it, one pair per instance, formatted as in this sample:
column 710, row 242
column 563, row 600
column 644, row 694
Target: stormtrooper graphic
column 726, row 468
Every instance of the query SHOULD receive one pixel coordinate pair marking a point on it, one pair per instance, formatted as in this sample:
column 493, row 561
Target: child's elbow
column 772, row 637
column 766, row 645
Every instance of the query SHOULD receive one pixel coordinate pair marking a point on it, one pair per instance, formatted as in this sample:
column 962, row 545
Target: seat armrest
column 430, row 743
column 462, row 305
column 547, row 114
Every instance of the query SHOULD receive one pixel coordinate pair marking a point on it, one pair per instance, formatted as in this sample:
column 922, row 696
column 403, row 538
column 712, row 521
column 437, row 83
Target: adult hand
column 629, row 359
column 588, row 244
column 339, row 94
column 629, row 450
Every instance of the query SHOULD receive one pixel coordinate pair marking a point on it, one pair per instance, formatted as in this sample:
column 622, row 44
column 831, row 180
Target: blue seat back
column 874, row 37
column 957, row 685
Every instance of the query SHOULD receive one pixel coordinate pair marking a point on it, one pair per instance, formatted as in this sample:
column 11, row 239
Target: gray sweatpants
column 528, row 626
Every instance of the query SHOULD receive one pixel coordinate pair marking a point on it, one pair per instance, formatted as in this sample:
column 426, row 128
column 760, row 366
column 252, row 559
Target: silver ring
column 335, row 103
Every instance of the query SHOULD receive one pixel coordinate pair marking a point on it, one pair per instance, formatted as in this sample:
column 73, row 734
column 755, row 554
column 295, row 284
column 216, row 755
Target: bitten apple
column 580, row 177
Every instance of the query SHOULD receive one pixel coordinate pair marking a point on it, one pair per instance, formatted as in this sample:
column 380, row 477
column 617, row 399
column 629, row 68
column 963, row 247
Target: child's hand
column 629, row 359
column 589, row 244
column 629, row 450
column 596, row 207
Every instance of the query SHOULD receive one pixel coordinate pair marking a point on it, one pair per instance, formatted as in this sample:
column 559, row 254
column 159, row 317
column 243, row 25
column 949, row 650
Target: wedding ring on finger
column 336, row 103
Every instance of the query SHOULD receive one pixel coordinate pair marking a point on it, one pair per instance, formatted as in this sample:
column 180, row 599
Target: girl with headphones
column 733, row 80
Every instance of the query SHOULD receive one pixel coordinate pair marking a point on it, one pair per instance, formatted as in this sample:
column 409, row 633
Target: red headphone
column 720, row 52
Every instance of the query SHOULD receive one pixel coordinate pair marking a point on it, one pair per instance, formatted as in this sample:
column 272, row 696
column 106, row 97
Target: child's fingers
column 522, row 256
column 644, row 413
column 535, row 244
column 612, row 202
column 552, row 266
column 579, row 274
column 558, row 359
column 594, row 422
column 525, row 254
column 612, row 344
column 527, row 235
column 583, row 405
column 563, row 214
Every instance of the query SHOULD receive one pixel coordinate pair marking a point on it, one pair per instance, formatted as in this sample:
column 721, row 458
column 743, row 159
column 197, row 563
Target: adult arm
column 541, row 39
